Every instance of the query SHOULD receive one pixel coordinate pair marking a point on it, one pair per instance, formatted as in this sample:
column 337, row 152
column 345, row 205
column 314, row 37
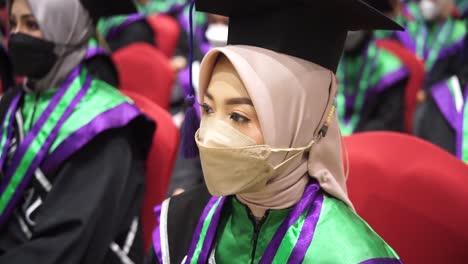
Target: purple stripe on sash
column 196, row 235
column 175, row 8
column 35, row 130
column 406, row 40
column 116, row 117
column 382, row 261
column 307, row 232
column 12, row 110
column 115, row 31
column 18, row 195
column 157, row 235
column 450, row 50
column 211, row 233
column 444, row 100
column 91, row 52
column 310, row 194
column 390, row 79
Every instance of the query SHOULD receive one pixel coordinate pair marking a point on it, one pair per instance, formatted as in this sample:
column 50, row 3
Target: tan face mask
column 233, row 163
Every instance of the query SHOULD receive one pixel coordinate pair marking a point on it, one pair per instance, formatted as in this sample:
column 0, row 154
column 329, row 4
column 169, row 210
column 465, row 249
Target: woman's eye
column 32, row 25
column 238, row 118
column 207, row 109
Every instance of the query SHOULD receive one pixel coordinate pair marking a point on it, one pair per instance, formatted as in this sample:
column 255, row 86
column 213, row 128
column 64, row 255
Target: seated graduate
column 372, row 83
column 444, row 114
column 270, row 144
column 73, row 147
column 437, row 37
column 122, row 30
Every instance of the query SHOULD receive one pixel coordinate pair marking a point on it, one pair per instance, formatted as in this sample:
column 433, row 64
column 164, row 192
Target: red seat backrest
column 167, row 33
column 145, row 70
column 160, row 163
column 414, row 194
column 415, row 82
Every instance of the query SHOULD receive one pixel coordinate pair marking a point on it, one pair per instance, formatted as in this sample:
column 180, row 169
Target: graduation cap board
column 381, row 5
column 314, row 30
column 106, row 8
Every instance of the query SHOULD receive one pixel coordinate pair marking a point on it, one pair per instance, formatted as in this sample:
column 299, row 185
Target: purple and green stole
column 318, row 229
column 449, row 98
column 305, row 214
column 436, row 43
column 361, row 78
column 111, row 27
column 67, row 119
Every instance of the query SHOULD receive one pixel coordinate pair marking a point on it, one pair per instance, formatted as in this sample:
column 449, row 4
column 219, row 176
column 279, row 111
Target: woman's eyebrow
column 238, row 101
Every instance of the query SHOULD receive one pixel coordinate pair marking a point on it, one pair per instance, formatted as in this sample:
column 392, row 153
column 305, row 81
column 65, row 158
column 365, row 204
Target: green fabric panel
column 290, row 240
column 99, row 98
column 459, row 32
column 343, row 237
column 236, row 233
column 105, row 24
column 413, row 8
column 387, row 64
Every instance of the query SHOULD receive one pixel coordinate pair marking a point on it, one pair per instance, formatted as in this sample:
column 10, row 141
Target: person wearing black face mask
column 372, row 84
column 73, row 148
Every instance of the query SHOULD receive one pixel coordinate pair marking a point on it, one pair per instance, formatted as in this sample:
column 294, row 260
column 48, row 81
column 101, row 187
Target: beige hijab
column 293, row 99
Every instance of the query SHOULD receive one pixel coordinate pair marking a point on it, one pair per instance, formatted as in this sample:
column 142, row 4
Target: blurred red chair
column 160, row 163
column 415, row 82
column 414, row 194
column 167, row 33
column 145, row 70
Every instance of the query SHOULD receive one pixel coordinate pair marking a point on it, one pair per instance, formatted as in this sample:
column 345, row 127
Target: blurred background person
column 372, row 81
column 72, row 167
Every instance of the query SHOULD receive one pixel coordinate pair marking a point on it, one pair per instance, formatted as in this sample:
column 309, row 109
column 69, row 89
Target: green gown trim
column 340, row 237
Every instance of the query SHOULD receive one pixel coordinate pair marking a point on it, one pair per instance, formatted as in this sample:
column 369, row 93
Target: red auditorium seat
column 414, row 194
column 415, row 82
column 145, row 70
column 160, row 163
column 167, row 33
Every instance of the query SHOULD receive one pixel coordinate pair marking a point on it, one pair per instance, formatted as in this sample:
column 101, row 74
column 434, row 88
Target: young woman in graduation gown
column 72, row 147
column 270, row 147
column 437, row 37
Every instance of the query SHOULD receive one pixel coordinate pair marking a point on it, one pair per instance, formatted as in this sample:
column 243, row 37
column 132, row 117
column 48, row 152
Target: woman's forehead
column 225, row 81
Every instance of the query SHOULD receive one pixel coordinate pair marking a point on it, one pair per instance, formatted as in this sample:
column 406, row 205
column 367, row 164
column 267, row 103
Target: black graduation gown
column 386, row 111
column 184, row 213
column 433, row 127
column 90, row 214
column 187, row 175
column 139, row 31
column 6, row 74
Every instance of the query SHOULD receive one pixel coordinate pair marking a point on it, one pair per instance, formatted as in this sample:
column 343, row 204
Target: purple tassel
column 191, row 121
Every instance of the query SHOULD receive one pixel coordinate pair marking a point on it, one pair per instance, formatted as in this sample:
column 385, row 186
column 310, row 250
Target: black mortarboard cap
column 106, row 8
column 314, row 30
column 381, row 5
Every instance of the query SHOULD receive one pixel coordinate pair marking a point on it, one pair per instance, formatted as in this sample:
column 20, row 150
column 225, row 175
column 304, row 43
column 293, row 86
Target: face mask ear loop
column 301, row 149
column 345, row 150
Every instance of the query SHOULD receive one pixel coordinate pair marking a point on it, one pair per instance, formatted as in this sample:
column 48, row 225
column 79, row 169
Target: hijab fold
column 293, row 99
